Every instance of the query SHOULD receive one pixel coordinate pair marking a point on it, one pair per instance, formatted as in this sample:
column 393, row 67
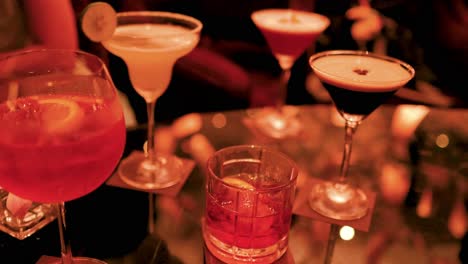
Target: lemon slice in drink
column 239, row 183
column 98, row 21
column 60, row 116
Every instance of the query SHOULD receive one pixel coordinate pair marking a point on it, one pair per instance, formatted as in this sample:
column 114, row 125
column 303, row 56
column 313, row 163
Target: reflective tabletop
column 418, row 175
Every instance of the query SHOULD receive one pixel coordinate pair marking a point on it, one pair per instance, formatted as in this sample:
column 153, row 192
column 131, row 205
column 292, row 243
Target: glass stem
column 150, row 155
column 332, row 237
column 65, row 247
column 350, row 129
column 283, row 89
column 151, row 201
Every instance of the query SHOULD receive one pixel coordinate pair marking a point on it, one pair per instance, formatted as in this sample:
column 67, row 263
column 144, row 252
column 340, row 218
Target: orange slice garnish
column 236, row 182
column 60, row 116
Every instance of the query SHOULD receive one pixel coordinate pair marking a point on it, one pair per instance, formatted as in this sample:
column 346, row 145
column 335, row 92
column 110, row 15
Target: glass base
column 140, row 173
column 278, row 124
column 37, row 216
column 338, row 201
column 232, row 254
column 75, row 260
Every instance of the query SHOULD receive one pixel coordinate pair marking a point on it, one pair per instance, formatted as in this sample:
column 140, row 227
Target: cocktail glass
column 150, row 43
column 249, row 195
column 62, row 129
column 288, row 33
column 358, row 83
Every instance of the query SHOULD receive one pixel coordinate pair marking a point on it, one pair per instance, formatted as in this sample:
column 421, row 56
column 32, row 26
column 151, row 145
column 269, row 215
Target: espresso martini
column 358, row 83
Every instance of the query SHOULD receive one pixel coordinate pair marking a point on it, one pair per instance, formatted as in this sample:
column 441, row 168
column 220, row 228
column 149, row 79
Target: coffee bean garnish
column 361, row 71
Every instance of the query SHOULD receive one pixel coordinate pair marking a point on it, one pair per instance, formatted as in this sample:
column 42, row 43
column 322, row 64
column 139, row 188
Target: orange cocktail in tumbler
column 249, row 195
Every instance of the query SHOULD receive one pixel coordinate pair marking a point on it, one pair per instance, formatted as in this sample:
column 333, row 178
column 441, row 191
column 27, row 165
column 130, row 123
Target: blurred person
column 433, row 37
column 35, row 24
column 429, row 35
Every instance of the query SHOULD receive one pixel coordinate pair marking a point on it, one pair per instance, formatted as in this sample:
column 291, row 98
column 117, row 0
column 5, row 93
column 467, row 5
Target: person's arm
column 52, row 23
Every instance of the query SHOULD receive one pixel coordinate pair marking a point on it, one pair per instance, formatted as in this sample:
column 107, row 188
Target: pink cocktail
column 289, row 32
column 248, row 203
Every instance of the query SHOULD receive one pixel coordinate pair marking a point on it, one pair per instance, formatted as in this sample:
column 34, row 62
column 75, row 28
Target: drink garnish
column 361, row 71
column 236, row 182
column 60, row 116
column 98, row 21
column 291, row 18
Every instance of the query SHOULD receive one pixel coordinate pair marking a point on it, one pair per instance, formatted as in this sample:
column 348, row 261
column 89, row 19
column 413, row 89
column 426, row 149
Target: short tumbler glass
column 250, row 191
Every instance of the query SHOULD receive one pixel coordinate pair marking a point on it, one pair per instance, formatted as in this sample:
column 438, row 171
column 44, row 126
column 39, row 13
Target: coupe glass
column 358, row 82
column 150, row 43
column 288, row 33
column 62, row 130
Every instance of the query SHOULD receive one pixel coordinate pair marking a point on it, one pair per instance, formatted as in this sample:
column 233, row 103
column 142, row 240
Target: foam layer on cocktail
column 361, row 73
column 151, row 38
column 290, row 21
column 150, row 51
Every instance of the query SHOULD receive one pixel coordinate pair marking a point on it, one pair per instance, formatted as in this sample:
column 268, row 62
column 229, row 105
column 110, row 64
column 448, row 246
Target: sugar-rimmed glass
column 150, row 42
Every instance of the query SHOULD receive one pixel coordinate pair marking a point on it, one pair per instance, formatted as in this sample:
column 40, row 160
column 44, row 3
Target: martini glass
column 288, row 33
column 358, row 83
column 62, row 129
column 150, row 43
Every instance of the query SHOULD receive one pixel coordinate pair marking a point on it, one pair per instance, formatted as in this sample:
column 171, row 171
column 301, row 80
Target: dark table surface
column 416, row 217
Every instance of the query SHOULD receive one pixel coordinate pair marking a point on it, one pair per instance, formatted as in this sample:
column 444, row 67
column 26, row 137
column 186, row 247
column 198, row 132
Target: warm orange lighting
column 219, row 120
column 164, row 140
column 200, row 148
column 394, row 182
column 346, row 233
column 278, row 123
column 442, row 141
column 424, row 208
column 457, row 222
column 406, row 119
column 187, row 125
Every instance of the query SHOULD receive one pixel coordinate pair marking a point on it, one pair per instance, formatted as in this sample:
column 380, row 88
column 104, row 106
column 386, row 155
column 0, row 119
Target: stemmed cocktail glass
column 62, row 130
column 150, row 43
column 288, row 33
column 358, row 82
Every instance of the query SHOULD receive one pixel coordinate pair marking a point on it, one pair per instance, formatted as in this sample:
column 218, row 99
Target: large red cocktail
column 62, row 129
column 49, row 160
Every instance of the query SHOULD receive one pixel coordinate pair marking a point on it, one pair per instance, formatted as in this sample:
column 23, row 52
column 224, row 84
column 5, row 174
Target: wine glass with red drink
column 62, row 130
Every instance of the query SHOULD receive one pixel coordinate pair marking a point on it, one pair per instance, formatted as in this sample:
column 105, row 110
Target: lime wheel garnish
column 98, row 21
